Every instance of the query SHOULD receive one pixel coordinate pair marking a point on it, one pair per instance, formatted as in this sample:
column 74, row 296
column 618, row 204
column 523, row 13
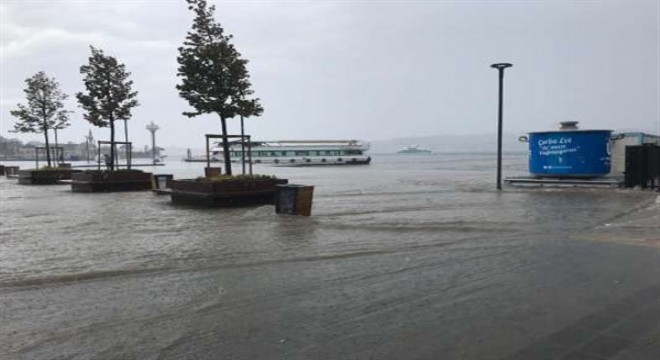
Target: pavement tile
column 634, row 328
column 617, row 311
column 623, row 331
column 633, row 354
column 540, row 351
column 571, row 336
column 652, row 313
column 642, row 298
column 580, row 356
column 650, row 345
column 605, row 346
column 596, row 323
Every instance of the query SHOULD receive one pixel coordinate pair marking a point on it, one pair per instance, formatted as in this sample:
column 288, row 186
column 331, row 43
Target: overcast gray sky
column 358, row 69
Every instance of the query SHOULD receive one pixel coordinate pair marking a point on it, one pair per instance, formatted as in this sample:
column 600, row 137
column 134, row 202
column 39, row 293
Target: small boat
column 190, row 158
column 298, row 152
column 414, row 149
column 200, row 159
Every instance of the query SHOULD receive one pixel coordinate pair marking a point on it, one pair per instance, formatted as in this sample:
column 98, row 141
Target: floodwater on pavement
column 411, row 257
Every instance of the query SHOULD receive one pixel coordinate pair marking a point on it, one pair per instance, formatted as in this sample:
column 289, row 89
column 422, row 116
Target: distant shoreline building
column 16, row 150
column 618, row 147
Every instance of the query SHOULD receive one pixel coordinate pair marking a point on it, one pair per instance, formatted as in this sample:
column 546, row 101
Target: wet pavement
column 399, row 260
column 626, row 330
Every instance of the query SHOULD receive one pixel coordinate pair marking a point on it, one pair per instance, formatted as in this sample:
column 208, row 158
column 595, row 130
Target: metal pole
column 125, row 130
column 250, row 152
column 153, row 147
column 242, row 145
column 208, row 155
column 501, row 68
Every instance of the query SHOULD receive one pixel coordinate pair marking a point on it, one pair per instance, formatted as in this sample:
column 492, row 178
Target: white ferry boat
column 414, row 149
column 299, row 152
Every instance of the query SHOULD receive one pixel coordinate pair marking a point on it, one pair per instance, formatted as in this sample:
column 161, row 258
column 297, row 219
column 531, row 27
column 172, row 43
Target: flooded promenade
column 408, row 258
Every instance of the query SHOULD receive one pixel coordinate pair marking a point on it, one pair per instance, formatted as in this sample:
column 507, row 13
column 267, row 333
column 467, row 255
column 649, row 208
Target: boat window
column 302, row 153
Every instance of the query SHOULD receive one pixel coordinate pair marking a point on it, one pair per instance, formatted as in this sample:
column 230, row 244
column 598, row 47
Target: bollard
column 294, row 199
column 212, row 171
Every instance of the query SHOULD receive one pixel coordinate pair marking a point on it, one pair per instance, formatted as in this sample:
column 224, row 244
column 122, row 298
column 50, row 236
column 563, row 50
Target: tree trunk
column 125, row 131
column 47, row 145
column 129, row 149
column 112, row 145
column 57, row 150
column 225, row 146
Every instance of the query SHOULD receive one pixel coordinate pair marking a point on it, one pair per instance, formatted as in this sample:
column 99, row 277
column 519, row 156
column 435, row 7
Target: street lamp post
column 153, row 128
column 89, row 139
column 500, row 67
column 242, row 144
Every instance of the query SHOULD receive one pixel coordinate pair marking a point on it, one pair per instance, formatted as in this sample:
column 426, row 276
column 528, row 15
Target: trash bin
column 160, row 181
column 294, row 199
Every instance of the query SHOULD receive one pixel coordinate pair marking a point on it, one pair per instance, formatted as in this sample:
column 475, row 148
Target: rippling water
column 398, row 261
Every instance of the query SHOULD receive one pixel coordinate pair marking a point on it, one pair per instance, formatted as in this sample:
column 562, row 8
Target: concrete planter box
column 110, row 181
column 44, row 177
column 225, row 193
column 11, row 171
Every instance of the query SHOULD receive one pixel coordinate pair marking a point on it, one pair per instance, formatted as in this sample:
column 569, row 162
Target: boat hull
column 417, row 152
column 311, row 161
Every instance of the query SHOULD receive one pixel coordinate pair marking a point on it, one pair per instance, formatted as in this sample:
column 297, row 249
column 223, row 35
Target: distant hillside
column 450, row 143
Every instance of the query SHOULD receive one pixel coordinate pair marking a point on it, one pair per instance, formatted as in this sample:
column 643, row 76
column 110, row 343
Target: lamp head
column 152, row 127
column 501, row 66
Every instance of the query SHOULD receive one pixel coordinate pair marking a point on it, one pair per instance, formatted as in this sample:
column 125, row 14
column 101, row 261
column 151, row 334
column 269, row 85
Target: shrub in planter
column 115, row 175
column 45, row 175
column 117, row 180
column 226, row 190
